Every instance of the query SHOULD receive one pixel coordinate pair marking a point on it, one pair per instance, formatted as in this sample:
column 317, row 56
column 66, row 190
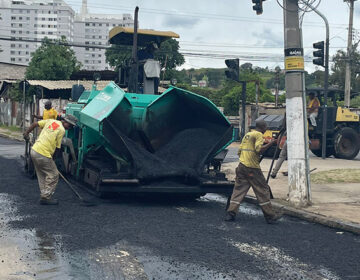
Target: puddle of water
column 28, row 254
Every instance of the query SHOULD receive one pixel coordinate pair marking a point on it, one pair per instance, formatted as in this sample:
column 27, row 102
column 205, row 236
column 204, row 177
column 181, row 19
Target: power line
column 202, row 15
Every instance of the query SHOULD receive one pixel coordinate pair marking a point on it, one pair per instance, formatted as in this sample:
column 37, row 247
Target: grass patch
column 11, row 128
column 336, row 176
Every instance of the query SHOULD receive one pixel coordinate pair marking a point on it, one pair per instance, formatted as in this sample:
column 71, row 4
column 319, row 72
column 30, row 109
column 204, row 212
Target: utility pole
column 277, row 82
column 349, row 54
column 133, row 80
column 299, row 184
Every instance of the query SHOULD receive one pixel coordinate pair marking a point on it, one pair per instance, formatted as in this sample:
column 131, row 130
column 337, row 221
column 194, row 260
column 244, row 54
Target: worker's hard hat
column 71, row 119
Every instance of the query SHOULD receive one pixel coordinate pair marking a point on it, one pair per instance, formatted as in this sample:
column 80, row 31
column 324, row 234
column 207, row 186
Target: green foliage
column 118, row 55
column 15, row 93
column 169, row 55
column 338, row 69
column 52, row 61
column 354, row 102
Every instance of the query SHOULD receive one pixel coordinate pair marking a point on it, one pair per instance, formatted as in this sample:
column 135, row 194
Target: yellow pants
column 251, row 177
column 47, row 174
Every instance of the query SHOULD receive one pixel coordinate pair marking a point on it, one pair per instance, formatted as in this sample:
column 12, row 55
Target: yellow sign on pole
column 294, row 63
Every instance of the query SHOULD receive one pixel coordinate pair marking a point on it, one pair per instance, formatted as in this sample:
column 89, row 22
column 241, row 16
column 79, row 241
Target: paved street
column 133, row 238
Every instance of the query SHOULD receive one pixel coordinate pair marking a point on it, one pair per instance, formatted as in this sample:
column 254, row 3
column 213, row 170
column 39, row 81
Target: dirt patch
column 336, row 176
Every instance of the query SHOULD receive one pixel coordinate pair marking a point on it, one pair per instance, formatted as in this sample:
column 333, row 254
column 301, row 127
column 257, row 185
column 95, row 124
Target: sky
column 213, row 30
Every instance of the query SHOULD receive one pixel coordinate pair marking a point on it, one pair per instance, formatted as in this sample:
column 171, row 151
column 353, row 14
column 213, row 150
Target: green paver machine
column 135, row 142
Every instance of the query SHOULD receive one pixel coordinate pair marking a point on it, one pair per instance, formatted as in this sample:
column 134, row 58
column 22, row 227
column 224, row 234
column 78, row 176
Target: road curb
column 12, row 137
column 311, row 217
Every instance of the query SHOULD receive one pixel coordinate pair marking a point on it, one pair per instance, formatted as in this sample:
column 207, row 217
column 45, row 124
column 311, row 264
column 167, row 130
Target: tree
column 52, row 61
column 168, row 54
column 338, row 69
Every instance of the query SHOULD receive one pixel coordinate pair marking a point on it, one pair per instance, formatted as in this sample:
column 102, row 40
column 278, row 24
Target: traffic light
column 233, row 71
column 258, row 6
column 319, row 53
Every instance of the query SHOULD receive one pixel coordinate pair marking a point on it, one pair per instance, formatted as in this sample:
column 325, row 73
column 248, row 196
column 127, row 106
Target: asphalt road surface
column 133, row 238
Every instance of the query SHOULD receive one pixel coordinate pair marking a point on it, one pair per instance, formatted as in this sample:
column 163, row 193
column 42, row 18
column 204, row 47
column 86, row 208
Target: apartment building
column 93, row 30
column 32, row 20
column 36, row 19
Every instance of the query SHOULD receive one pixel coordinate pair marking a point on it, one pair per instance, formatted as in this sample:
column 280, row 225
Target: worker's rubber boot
column 273, row 175
column 230, row 216
column 51, row 201
column 273, row 219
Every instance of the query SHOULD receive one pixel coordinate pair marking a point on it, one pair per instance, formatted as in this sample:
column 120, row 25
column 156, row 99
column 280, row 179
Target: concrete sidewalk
column 335, row 202
column 12, row 134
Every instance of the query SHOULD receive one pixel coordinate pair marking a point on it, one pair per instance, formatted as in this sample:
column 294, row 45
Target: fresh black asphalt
column 192, row 234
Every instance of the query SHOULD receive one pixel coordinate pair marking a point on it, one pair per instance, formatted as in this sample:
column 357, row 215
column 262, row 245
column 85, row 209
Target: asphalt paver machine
column 128, row 142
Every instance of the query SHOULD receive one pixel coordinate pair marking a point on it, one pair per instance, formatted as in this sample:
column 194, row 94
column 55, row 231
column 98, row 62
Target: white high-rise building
column 32, row 20
column 93, row 30
column 36, row 19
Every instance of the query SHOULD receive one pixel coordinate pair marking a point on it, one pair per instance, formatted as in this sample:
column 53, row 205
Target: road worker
column 43, row 151
column 248, row 173
column 313, row 108
column 49, row 112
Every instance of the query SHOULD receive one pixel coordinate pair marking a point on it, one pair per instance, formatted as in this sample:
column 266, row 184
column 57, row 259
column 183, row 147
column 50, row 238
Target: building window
column 93, row 24
column 100, row 24
column 20, row 59
column 20, row 24
column 27, row 32
column 27, row 59
column 100, row 37
column 28, row 11
column 99, row 55
column 26, row 52
column 86, row 49
column 12, row 45
column 27, row 46
column 13, row 31
column 13, row 18
column 87, row 24
column 12, row 52
column 19, row 52
column 20, row 45
column 27, row 18
column 20, row 18
column 107, row 24
column 12, row 59
column 99, row 61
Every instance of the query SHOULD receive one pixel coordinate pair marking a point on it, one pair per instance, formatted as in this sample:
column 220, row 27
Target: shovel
column 83, row 201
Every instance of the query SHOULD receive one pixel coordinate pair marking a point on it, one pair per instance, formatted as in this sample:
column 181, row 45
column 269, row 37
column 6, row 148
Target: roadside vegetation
column 336, row 176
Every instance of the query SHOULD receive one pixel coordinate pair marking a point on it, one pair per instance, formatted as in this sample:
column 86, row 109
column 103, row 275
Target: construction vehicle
column 134, row 142
column 342, row 127
column 342, row 131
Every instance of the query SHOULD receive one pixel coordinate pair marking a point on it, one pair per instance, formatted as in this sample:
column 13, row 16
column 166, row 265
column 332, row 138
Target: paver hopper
column 129, row 142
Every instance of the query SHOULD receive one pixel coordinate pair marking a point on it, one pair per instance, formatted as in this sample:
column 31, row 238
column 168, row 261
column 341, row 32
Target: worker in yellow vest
column 43, row 152
column 313, row 108
column 49, row 112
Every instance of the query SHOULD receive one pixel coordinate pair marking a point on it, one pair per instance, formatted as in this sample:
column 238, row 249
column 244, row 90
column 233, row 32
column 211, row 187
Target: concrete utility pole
column 348, row 60
column 299, row 184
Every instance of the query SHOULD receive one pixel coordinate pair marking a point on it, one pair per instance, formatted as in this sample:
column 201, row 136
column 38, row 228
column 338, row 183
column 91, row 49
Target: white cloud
column 228, row 26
